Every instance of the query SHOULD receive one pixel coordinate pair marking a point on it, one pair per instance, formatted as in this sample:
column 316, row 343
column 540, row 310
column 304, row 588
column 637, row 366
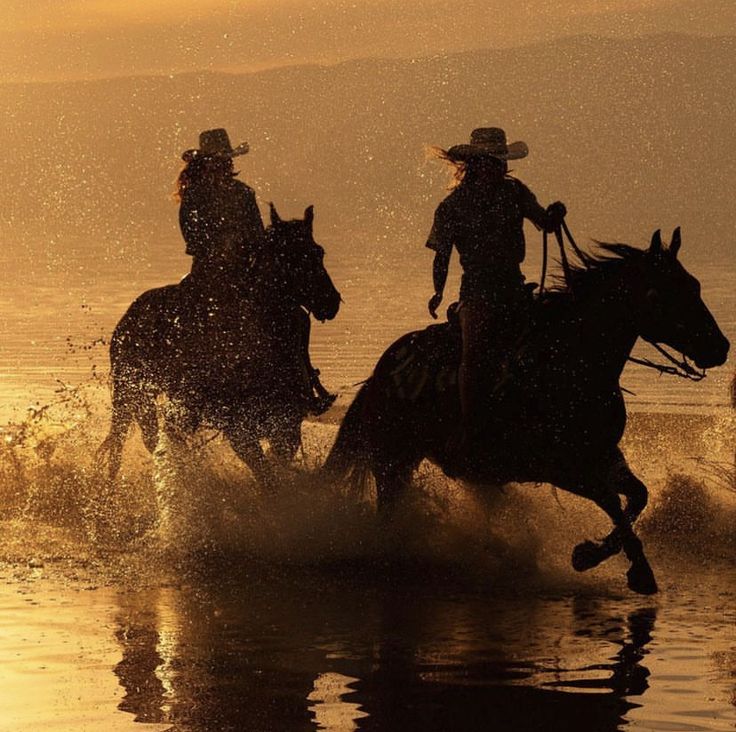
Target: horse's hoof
column 587, row 555
column 641, row 579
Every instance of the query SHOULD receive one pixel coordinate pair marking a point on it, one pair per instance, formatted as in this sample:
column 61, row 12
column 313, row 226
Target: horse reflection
column 430, row 686
column 305, row 651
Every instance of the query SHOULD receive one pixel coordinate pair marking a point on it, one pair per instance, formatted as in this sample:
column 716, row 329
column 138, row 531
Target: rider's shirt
column 221, row 223
column 486, row 227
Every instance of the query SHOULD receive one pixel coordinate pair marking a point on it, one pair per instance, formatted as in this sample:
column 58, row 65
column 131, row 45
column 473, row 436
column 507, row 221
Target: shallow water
column 266, row 648
column 293, row 612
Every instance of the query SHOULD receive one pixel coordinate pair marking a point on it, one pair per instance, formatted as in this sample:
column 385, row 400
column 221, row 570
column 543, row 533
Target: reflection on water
column 330, row 708
column 305, row 651
column 357, row 648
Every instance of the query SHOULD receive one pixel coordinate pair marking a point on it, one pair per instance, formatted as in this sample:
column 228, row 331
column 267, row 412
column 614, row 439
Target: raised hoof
column 587, row 555
column 641, row 579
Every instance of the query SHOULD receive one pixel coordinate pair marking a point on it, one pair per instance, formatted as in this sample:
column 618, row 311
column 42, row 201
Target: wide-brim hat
column 489, row 141
column 216, row 143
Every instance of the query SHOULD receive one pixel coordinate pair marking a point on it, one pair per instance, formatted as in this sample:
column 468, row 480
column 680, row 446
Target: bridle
column 678, row 367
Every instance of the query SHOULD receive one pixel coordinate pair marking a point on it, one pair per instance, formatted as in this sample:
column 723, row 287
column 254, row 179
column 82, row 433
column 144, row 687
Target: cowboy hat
column 489, row 141
column 216, row 143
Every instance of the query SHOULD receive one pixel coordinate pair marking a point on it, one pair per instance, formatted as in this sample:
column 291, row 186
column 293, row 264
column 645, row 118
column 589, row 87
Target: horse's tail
column 350, row 456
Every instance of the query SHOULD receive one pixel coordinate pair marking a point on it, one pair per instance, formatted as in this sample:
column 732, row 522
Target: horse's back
column 147, row 323
column 416, row 377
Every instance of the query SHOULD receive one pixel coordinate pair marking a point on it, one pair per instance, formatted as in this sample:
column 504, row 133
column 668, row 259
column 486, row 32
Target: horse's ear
column 275, row 218
column 309, row 216
column 676, row 242
column 656, row 246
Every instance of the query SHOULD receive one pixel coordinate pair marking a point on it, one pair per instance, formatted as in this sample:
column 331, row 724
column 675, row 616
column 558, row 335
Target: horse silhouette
column 225, row 356
column 559, row 414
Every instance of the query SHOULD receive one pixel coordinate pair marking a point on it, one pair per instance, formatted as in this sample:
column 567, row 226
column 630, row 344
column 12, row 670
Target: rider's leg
column 319, row 399
column 474, row 326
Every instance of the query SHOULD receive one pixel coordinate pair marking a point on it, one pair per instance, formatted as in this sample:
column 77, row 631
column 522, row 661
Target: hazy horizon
column 78, row 40
column 328, row 64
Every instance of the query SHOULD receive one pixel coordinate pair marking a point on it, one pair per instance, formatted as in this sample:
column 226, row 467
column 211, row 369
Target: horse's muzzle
column 716, row 355
column 328, row 309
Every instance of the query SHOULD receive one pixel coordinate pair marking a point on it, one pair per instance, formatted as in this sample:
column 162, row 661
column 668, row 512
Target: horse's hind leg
column 147, row 416
column 122, row 416
column 130, row 402
column 392, row 480
column 286, row 440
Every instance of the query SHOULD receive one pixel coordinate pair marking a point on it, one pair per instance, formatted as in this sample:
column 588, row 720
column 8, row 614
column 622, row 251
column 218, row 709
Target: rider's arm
column 249, row 215
column 440, row 268
column 440, row 242
column 192, row 228
column 253, row 215
column 548, row 218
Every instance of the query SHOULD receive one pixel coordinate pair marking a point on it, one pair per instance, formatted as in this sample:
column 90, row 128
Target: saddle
column 426, row 362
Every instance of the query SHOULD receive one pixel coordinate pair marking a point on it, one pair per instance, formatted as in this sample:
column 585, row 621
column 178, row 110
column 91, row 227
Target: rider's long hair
column 463, row 172
column 195, row 170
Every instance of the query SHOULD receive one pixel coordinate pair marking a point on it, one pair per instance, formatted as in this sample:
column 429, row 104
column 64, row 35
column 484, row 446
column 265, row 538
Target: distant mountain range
column 631, row 134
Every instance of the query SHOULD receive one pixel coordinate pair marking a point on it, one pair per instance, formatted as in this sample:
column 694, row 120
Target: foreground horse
column 559, row 415
column 224, row 359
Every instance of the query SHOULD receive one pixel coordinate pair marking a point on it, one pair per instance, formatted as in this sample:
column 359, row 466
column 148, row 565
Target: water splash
column 194, row 498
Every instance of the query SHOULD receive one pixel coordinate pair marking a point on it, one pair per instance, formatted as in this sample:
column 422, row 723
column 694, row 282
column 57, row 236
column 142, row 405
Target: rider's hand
column 434, row 303
column 556, row 212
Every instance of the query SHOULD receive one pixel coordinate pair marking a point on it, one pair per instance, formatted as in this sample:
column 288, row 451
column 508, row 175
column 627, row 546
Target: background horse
column 559, row 414
column 226, row 357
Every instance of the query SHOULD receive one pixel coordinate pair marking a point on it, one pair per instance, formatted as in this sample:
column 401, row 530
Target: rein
column 681, row 368
column 563, row 254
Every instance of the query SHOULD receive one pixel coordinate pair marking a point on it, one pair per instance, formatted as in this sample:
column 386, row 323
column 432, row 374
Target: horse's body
column 224, row 356
column 559, row 414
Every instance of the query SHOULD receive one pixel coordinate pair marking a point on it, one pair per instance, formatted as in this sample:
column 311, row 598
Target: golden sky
column 71, row 39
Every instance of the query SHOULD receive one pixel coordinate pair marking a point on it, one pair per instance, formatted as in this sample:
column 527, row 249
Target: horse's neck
column 267, row 281
column 605, row 327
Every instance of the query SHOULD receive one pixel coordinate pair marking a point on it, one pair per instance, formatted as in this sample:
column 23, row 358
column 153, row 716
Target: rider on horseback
column 218, row 214
column 483, row 219
column 224, row 234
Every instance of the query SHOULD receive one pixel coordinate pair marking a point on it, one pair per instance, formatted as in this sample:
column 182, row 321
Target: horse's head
column 671, row 311
column 299, row 263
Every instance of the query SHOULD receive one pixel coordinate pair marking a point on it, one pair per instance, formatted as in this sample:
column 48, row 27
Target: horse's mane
column 591, row 269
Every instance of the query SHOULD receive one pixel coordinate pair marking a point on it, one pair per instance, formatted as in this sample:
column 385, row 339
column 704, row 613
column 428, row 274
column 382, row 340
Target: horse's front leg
column 622, row 480
column 248, row 448
column 640, row 576
column 599, row 487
